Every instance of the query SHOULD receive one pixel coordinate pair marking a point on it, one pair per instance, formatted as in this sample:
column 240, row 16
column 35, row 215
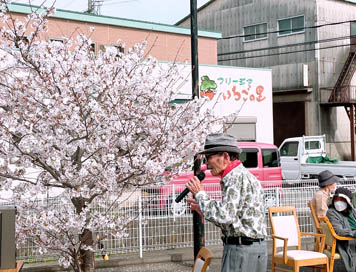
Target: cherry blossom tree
column 91, row 126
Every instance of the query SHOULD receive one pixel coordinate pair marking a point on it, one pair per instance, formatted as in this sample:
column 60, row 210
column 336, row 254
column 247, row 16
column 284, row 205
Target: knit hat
column 220, row 142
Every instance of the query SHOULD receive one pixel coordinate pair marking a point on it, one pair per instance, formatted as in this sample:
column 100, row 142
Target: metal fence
column 163, row 224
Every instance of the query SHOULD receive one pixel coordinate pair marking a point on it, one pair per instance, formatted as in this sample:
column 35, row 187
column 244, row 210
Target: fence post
column 278, row 190
column 140, row 221
column 173, row 204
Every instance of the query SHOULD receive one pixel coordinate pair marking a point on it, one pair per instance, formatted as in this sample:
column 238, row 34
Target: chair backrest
column 315, row 217
column 354, row 199
column 203, row 260
column 326, row 229
column 284, row 224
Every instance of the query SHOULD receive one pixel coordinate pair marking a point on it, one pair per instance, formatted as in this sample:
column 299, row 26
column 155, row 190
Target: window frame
column 291, row 29
column 288, row 154
column 255, row 34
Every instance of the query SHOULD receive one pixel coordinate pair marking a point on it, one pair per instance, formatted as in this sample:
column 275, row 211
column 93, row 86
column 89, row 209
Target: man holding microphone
column 241, row 213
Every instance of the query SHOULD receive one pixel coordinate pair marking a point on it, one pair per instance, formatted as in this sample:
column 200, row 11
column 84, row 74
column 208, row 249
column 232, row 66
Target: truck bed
column 340, row 168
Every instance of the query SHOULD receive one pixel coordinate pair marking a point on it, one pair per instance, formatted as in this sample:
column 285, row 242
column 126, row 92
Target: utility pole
column 94, row 6
column 194, row 48
column 198, row 225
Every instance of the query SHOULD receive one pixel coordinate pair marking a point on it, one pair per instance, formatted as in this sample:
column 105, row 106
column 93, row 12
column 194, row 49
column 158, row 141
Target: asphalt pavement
column 169, row 260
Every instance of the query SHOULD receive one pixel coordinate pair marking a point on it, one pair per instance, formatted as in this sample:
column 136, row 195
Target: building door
column 288, row 121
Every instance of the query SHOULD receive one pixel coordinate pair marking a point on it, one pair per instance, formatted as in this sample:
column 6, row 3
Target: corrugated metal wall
column 323, row 66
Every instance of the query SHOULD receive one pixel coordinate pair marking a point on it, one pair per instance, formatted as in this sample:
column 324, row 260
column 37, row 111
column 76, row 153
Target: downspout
column 317, row 62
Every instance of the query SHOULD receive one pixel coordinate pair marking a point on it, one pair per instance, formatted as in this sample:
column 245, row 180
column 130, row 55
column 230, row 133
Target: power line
column 70, row 2
column 278, row 31
column 291, row 52
column 118, row 2
column 285, row 46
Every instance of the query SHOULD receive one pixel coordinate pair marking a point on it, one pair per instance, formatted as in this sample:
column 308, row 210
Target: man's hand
column 194, row 185
column 194, row 206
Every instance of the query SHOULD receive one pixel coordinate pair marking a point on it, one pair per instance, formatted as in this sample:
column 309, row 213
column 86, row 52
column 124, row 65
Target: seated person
column 342, row 216
column 327, row 184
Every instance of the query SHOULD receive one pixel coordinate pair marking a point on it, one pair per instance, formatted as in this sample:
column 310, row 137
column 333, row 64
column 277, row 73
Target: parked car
column 261, row 159
column 305, row 157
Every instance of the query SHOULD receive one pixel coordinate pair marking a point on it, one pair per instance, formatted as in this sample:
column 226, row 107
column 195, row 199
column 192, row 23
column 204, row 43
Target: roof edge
column 108, row 20
column 199, row 9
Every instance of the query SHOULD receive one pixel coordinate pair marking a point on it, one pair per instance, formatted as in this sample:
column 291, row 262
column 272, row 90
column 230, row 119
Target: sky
column 158, row 11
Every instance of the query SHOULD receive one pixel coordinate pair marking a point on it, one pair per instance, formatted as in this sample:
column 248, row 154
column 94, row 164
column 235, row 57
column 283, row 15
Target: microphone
column 179, row 198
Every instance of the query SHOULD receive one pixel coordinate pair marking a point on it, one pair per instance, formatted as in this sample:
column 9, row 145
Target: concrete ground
column 171, row 260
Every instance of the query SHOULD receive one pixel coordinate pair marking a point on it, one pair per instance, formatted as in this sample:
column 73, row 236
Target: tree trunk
column 86, row 258
column 87, row 262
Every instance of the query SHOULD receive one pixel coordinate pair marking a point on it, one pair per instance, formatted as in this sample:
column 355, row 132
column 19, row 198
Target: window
column 289, row 149
column 310, row 145
column 353, row 28
column 270, row 158
column 56, row 40
column 255, row 32
column 119, row 49
column 92, row 50
column 248, row 157
column 291, row 25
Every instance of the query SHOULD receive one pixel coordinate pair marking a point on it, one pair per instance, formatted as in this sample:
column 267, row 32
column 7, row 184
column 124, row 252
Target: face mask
column 340, row 205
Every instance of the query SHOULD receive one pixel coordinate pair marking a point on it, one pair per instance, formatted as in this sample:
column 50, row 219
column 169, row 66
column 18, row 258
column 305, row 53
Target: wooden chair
column 19, row 265
column 354, row 199
column 286, row 234
column 316, row 223
column 330, row 241
column 315, row 217
column 203, row 260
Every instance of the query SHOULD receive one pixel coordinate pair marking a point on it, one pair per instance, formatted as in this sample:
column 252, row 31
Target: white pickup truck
column 296, row 154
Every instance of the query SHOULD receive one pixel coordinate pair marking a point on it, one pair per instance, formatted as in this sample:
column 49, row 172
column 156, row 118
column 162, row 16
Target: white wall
column 243, row 91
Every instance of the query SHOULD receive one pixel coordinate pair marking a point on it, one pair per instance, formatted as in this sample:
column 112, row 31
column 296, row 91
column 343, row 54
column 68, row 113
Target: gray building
column 306, row 43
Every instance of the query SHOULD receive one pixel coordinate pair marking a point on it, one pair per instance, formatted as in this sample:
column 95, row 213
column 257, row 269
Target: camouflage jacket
column 241, row 211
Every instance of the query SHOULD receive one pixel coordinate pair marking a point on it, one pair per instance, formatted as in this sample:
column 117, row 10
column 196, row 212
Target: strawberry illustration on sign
column 207, row 87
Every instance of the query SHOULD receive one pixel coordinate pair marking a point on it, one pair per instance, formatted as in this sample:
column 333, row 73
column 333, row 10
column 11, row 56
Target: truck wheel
column 176, row 209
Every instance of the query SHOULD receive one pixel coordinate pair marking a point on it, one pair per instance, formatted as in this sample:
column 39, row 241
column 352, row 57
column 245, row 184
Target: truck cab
column 262, row 160
column 295, row 151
